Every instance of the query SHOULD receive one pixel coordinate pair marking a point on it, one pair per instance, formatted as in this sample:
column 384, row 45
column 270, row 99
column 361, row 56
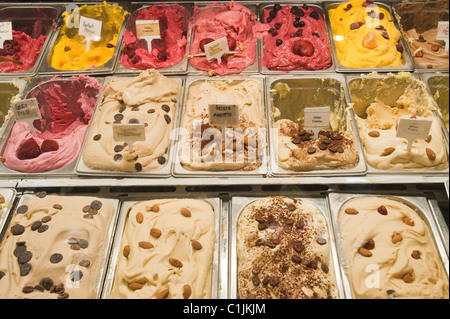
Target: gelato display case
column 309, row 161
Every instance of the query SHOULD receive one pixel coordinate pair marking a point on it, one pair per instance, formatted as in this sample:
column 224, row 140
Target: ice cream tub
column 313, row 212
column 238, row 18
column 10, row 89
column 65, row 107
column 79, row 230
column 297, row 41
column 69, row 53
column 407, row 222
column 164, row 213
column 440, row 222
column 399, row 58
column 438, row 88
column 7, row 198
column 380, row 102
column 169, row 54
column 32, row 28
column 335, row 150
column 222, row 128
column 164, row 168
column 419, row 22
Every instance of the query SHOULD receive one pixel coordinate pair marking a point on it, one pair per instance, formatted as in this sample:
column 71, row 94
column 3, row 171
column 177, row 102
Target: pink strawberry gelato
column 166, row 51
column 297, row 39
column 66, row 108
column 234, row 21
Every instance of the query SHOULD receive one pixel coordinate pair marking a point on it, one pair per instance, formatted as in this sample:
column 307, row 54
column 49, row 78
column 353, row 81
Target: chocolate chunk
column 133, row 121
column 25, row 269
column 354, row 26
column 36, row 225
column 256, row 270
column 298, row 247
column 57, row 206
column 296, row 259
column 110, row 45
column 150, row 111
column 296, row 140
column 39, row 288
column 41, row 194
column 67, row 48
column 22, row 209
column 260, row 242
column 76, row 275
column 332, row 149
column 19, row 250
column 76, row 246
column 165, row 108
column 327, row 141
column 292, row 207
column 313, row 264
column 138, row 167
column 25, row 257
column 391, row 294
column 2, row 274
column 385, row 35
column 314, row 15
column 325, row 268
column 274, row 281
column 46, row 219
column 97, row 137
column 27, row 289
column 167, row 118
column 382, row 210
column 118, row 117
column 118, row 157
column 122, row 108
column 83, row 243
column 266, row 281
column 256, row 281
column 42, row 229
column 96, row 204
column 338, row 137
column 135, row 108
column 118, row 148
column 321, row 240
column 47, row 283
column 311, row 150
column 340, row 149
column 17, row 230
column 323, row 146
column 262, row 226
column 161, row 160
column 56, row 258
column 85, row 263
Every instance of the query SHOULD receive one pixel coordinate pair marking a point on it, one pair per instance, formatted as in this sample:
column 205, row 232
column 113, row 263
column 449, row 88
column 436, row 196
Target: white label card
column 148, row 30
column 224, row 114
column 413, row 129
column 443, row 33
column 5, row 32
column 129, row 133
column 91, row 29
column 316, row 118
column 216, row 49
column 26, row 111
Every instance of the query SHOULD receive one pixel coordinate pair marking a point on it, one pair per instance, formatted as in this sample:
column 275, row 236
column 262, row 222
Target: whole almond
column 155, row 208
column 196, row 245
column 351, row 211
column 388, row 151
column 364, row 252
column 175, row 262
column 187, row 291
column 396, row 238
column 369, row 245
column 155, row 232
column 126, row 251
column 419, row 54
column 416, row 254
column 435, row 47
column 374, row 134
column 145, row 244
column 139, row 218
column 428, row 139
column 431, row 155
column 408, row 278
column 135, row 285
column 382, row 210
column 162, row 294
column 185, row 212
column 408, row 221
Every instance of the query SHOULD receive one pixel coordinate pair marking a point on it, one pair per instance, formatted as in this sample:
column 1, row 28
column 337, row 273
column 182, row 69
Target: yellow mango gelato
column 365, row 36
column 69, row 51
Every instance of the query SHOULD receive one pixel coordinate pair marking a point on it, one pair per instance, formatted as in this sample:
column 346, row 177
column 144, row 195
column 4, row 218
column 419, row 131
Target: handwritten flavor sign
column 216, row 49
column 26, row 111
column 129, row 133
column 5, row 32
column 443, row 33
column 413, row 129
column 224, row 114
column 91, row 29
column 317, row 118
column 148, row 30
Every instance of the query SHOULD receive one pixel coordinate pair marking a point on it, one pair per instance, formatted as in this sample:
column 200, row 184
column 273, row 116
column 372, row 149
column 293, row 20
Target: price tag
column 413, row 129
column 224, row 114
column 129, row 133
column 316, row 118
column 217, row 48
column 443, row 33
column 91, row 30
column 5, row 32
column 148, row 30
column 26, row 111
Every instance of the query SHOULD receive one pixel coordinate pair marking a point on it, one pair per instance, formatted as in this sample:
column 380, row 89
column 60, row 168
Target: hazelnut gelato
column 383, row 236
column 53, row 247
column 166, row 251
column 283, row 251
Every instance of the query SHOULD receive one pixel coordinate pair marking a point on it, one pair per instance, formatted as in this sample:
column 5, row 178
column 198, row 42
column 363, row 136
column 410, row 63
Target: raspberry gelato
column 166, row 51
column 297, row 39
column 234, row 21
column 66, row 108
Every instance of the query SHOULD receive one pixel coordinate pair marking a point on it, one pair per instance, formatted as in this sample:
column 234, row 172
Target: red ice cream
column 234, row 21
column 166, row 51
column 297, row 39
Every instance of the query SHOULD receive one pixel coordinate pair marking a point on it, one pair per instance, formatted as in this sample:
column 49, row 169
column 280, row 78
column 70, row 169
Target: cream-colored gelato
column 209, row 147
column 166, row 251
column 283, row 251
column 55, row 247
column 150, row 99
column 379, row 104
column 389, row 251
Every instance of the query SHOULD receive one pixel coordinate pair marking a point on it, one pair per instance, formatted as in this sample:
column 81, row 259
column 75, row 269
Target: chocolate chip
column 86, row 208
column 88, row 216
column 385, row 35
column 76, row 246
column 161, row 160
column 22, row 209
column 63, row 295
column 272, row 243
column 311, row 150
column 46, row 219
column 83, row 243
column 47, row 283
column 85, row 263
column 133, row 121
column 262, row 226
column 296, row 140
column 118, row 117
column 2, row 274
column 167, row 118
column 25, row 257
column 260, row 242
column 135, row 108
column 56, row 258
column 296, row 259
column 36, row 225
column 27, row 289
column 97, row 137
column 313, row 264
column 314, row 15
column 76, row 275
column 118, row 157
column 42, row 229
column 325, row 268
column 289, row 221
column 67, row 48
column 321, row 240
column 122, row 108
column 59, row 288
column 332, row 149
column 274, row 281
column 256, row 270
column 17, row 230
column 327, row 141
column 118, row 148
column 41, row 194
column 340, row 149
column 266, row 281
column 39, row 288
column 298, row 247
column 19, row 250
column 96, row 204
column 110, row 45
column 138, row 167
column 165, row 108
column 256, row 281
column 150, row 111
column 323, row 146
column 24, row 269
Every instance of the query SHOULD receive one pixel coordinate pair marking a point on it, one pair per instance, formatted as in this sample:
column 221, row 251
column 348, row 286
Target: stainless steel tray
column 440, row 222
column 9, row 194
column 418, row 204
column 66, row 171
column 359, row 169
column 22, row 14
column 238, row 204
column 107, row 68
column 165, row 171
column 103, row 258
column 219, row 262
column 267, row 71
column 179, row 68
column 407, row 66
column 178, row 169
column 252, row 69
column 375, row 171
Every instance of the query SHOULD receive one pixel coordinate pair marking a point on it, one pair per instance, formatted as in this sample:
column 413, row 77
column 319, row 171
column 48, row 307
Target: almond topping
column 428, row 139
column 185, row 212
column 145, row 244
column 396, row 238
column 388, row 151
column 175, row 262
column 416, row 254
column 139, row 218
column 126, row 251
column 162, row 294
column 408, row 278
column 431, row 155
column 374, row 134
column 135, row 285
column 155, row 208
column 155, row 232
column 369, row 245
column 351, row 211
column 196, row 245
column 408, row 221
column 435, row 47
column 186, row 291
column 364, row 252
